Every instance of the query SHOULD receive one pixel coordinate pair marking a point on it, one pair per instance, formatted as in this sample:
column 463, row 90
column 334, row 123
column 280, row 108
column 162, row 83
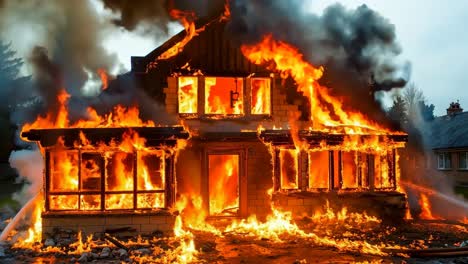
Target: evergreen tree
column 427, row 111
column 398, row 111
column 12, row 87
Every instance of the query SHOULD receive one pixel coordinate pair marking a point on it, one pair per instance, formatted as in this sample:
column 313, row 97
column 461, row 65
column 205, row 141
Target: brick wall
column 455, row 174
column 388, row 205
column 259, row 180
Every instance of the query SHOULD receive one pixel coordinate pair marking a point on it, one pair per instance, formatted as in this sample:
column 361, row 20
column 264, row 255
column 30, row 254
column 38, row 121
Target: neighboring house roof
column 449, row 131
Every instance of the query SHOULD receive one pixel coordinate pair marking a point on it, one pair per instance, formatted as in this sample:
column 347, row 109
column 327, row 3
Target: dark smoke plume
column 156, row 12
column 67, row 51
column 358, row 48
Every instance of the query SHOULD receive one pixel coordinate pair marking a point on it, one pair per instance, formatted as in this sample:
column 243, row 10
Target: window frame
column 460, row 154
column 250, row 107
column 246, row 99
column 442, row 158
column 103, row 192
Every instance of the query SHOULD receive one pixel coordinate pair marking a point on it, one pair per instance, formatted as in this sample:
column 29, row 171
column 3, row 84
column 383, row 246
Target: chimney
column 454, row 108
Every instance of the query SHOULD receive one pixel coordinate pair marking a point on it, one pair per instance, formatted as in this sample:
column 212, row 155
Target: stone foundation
column 99, row 223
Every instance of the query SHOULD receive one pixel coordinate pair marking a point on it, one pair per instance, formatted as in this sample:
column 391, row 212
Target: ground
column 240, row 247
column 316, row 240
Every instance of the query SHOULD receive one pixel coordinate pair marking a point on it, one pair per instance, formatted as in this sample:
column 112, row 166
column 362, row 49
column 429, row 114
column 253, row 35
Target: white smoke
column 30, row 166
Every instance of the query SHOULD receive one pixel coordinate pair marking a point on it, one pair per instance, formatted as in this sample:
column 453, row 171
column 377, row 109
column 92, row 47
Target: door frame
column 220, row 150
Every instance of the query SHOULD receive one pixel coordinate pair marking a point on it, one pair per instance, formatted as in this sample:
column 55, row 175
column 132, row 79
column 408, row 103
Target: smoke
column 62, row 42
column 358, row 48
column 30, row 165
column 155, row 13
column 71, row 31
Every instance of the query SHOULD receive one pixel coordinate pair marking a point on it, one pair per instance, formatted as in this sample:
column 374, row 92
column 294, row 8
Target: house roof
column 449, row 131
column 214, row 51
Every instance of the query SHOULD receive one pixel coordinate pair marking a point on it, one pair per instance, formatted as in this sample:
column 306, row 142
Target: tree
column 11, row 89
column 417, row 109
column 398, row 111
column 427, row 111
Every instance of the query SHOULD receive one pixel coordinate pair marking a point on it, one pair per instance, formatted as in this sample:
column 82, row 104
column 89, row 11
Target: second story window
column 260, row 102
column 444, row 161
column 463, row 160
column 224, row 96
column 188, row 94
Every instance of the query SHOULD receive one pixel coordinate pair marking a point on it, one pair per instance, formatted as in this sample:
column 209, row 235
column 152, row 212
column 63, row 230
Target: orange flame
column 119, row 117
column 426, row 210
column 223, row 181
column 187, row 19
column 104, row 78
column 290, row 62
column 260, row 96
column 118, row 161
column 34, row 234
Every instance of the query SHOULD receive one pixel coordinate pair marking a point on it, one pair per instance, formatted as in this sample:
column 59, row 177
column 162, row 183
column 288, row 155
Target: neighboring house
column 449, row 142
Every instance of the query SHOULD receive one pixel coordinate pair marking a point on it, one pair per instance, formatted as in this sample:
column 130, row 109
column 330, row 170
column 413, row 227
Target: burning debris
column 262, row 151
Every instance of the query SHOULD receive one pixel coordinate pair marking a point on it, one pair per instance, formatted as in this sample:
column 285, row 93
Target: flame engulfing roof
column 155, row 136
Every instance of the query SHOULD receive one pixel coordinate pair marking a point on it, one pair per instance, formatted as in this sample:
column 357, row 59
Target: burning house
column 252, row 134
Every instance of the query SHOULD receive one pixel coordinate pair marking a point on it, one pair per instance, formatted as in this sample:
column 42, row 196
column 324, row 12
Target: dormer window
column 223, row 97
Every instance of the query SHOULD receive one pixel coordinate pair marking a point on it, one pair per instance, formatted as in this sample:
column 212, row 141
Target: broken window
column 151, row 179
column 363, row 169
column 349, row 171
column 63, row 166
column 289, row 169
column 91, row 179
column 318, row 169
column 119, row 178
column 382, row 172
column 188, row 94
column 97, row 181
column 64, row 171
column 224, row 96
column 260, row 102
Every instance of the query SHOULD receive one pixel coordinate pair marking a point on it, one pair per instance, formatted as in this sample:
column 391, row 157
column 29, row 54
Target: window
column 318, row 169
column 106, row 181
column 289, row 169
column 444, row 161
column 349, row 171
column 382, row 172
column 260, row 102
column 224, row 96
column 188, row 94
column 463, row 160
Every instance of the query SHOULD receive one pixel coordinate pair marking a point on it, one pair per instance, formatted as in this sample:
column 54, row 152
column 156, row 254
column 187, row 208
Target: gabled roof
column 449, row 131
column 214, row 51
